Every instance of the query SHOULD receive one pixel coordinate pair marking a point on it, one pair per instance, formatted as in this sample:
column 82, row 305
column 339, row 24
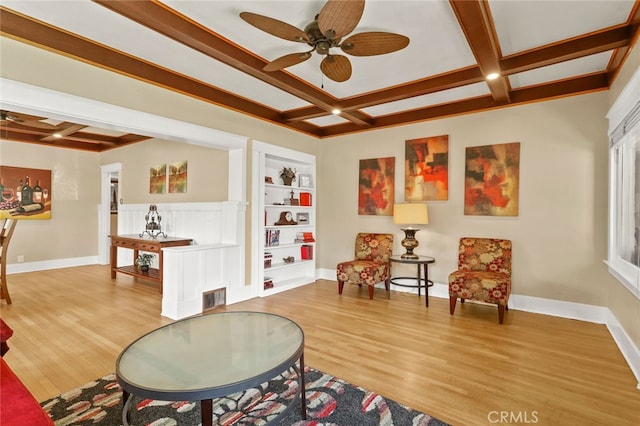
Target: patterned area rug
column 330, row 401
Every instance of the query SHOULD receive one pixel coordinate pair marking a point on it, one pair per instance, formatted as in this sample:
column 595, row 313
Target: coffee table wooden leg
column 303, row 394
column 206, row 410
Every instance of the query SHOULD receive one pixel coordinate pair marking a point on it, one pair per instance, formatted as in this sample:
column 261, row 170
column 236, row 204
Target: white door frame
column 104, row 215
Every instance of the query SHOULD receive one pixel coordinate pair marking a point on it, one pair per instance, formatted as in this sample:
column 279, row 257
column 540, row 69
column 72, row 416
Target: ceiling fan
column 336, row 19
column 27, row 120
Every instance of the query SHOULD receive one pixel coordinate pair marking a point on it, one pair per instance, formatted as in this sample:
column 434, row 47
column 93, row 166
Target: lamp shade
column 410, row 214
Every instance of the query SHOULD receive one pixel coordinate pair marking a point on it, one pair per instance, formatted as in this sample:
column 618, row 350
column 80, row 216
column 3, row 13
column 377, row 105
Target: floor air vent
column 214, row 299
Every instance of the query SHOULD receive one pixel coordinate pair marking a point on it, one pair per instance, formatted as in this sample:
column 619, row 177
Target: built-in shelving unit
column 284, row 252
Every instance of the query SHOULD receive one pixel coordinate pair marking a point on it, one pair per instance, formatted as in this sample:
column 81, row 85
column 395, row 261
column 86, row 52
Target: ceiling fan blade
column 287, row 61
column 374, row 43
column 25, row 120
column 338, row 17
column 275, row 27
column 336, row 67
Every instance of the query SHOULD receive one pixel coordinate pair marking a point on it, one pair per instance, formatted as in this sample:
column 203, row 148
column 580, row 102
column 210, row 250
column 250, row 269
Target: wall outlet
column 20, row 259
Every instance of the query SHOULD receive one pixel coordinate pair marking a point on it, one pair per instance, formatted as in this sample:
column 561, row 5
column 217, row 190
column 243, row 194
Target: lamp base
column 409, row 243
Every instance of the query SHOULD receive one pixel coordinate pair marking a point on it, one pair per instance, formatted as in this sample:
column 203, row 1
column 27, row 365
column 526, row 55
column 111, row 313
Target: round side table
column 421, row 282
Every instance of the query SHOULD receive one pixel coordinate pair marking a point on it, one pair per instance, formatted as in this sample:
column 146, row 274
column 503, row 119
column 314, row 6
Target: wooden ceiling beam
column 26, row 29
column 567, row 50
column 450, row 80
column 621, row 53
column 475, row 20
column 58, row 134
column 473, row 16
column 12, row 136
column 168, row 22
column 569, row 87
column 70, row 134
column 571, row 49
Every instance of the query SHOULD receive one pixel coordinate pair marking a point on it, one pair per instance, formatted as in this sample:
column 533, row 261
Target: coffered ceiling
column 541, row 50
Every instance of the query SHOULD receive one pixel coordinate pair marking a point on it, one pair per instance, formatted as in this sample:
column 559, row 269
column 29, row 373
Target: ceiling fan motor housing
column 319, row 41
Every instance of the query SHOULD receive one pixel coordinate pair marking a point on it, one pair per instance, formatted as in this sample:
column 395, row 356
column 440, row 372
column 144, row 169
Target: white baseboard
column 556, row 308
column 17, row 268
column 625, row 344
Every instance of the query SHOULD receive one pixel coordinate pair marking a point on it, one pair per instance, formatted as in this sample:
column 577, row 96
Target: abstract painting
column 158, row 179
column 426, row 169
column 25, row 193
column 376, row 186
column 492, row 178
column 178, row 177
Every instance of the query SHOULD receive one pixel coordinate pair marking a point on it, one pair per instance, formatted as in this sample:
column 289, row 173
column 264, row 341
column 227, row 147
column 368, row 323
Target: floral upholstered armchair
column 371, row 264
column 484, row 273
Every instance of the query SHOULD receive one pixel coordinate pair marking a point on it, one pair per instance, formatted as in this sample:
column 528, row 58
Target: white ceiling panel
column 525, row 24
column 574, row 68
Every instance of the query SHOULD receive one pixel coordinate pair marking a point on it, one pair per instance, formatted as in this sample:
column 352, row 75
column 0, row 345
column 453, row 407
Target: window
column 624, row 200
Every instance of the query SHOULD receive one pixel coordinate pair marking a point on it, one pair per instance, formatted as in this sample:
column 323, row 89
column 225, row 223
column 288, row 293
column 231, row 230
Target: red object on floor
column 5, row 333
column 19, row 407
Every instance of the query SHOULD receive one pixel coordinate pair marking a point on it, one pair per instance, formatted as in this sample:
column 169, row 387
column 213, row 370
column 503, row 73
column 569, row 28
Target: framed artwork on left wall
column 158, row 179
column 26, row 193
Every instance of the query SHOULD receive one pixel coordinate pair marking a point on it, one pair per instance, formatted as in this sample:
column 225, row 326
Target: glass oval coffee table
column 209, row 356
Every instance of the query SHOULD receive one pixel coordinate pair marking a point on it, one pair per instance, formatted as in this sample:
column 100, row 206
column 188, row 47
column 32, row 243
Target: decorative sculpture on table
column 153, row 227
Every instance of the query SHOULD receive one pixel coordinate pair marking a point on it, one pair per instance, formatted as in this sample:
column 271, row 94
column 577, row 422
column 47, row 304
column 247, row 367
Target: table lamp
column 410, row 214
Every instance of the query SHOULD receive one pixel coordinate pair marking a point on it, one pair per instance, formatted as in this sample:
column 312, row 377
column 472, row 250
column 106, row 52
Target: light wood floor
column 71, row 324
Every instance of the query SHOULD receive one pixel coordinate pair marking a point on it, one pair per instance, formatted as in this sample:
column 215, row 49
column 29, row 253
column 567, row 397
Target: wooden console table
column 137, row 244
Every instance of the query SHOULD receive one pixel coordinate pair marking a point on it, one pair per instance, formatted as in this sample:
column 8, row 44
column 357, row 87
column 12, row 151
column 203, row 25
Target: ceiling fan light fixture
column 322, row 47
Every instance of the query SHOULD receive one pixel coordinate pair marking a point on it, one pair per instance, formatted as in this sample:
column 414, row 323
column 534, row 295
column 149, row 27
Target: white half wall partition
column 215, row 259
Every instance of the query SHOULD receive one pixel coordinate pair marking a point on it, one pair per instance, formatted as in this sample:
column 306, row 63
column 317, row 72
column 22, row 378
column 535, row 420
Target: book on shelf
column 305, row 199
column 304, row 237
column 306, row 252
column 272, row 237
column 268, row 283
column 268, row 257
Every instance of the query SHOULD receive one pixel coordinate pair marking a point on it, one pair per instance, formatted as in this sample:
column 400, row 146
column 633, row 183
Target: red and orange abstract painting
column 426, row 169
column 376, row 186
column 492, row 179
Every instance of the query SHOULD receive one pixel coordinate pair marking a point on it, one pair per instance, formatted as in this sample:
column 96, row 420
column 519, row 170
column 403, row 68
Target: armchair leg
column 370, row 291
column 501, row 313
column 386, row 287
column 452, row 304
column 340, row 286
